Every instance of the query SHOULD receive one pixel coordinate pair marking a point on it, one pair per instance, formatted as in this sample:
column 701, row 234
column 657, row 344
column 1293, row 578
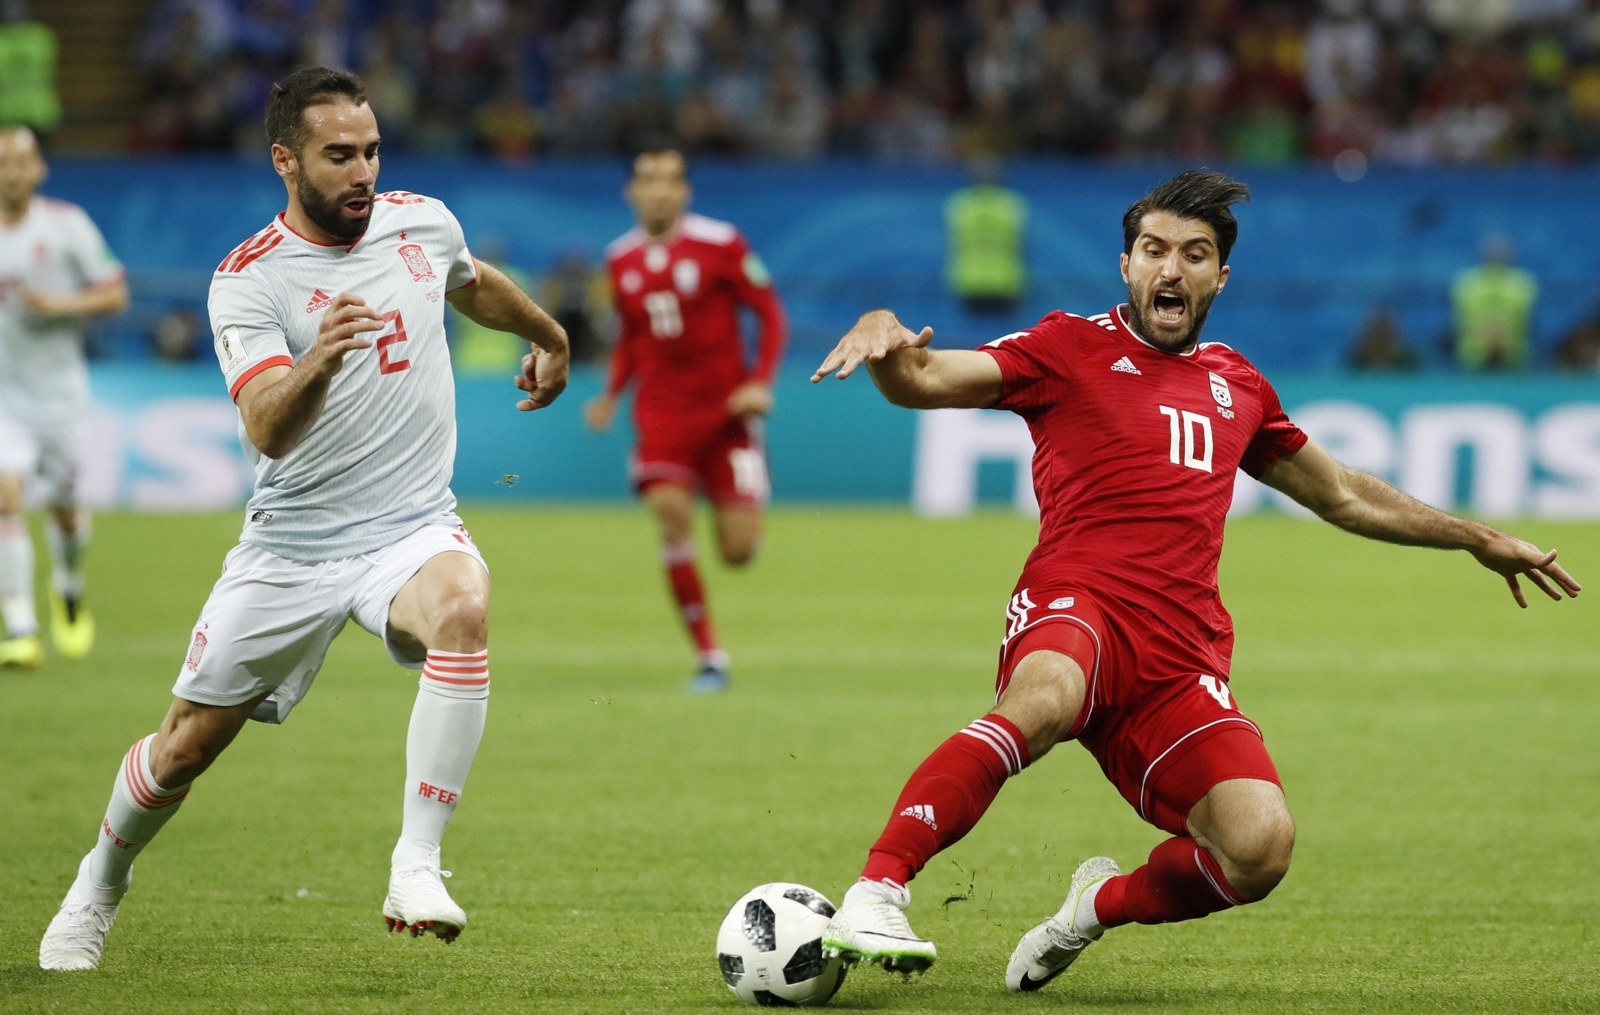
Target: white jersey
column 377, row 463
column 54, row 248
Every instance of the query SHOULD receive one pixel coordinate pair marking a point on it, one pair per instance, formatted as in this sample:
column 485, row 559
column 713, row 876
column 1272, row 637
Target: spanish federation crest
column 417, row 263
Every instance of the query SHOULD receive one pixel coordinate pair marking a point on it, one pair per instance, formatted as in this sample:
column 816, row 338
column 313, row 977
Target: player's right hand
column 875, row 335
column 343, row 328
column 599, row 412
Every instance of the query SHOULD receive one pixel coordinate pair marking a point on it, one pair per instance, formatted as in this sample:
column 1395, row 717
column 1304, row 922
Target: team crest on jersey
column 1064, row 603
column 686, row 276
column 631, row 281
column 230, row 349
column 197, row 648
column 417, row 263
column 1219, row 390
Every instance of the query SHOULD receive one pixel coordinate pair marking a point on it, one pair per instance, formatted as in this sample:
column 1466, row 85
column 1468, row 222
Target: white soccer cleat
column 418, row 903
column 77, row 934
column 1046, row 951
column 870, row 926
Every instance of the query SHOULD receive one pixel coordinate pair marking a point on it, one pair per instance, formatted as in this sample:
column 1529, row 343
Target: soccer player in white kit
column 55, row 271
column 329, row 327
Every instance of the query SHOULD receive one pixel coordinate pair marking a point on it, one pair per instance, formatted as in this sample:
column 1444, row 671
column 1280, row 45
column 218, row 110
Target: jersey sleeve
column 245, row 329
column 463, row 267
column 754, row 286
column 91, row 256
column 1034, row 364
column 620, row 370
column 1276, row 438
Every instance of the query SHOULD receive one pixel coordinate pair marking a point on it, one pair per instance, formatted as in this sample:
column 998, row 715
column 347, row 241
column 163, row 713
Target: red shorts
column 722, row 457
column 1163, row 728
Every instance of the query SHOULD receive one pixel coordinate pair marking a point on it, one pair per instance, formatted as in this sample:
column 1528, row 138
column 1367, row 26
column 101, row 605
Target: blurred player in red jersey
column 1116, row 636
column 679, row 281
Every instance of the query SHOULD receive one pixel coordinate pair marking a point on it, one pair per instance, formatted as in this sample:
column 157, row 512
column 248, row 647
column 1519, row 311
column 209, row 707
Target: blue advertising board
column 166, row 438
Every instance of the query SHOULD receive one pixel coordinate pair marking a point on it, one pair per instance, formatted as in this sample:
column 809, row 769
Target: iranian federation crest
column 1219, row 390
column 686, row 276
column 417, row 263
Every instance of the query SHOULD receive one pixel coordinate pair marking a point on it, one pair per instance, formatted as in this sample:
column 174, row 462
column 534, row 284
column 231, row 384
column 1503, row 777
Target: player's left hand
column 543, row 377
column 752, row 398
column 1515, row 558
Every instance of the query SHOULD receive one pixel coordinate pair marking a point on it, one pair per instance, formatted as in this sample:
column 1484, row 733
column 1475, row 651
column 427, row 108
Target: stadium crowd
column 1410, row 82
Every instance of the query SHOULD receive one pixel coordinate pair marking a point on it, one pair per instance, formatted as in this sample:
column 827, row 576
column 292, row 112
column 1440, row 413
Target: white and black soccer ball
column 770, row 947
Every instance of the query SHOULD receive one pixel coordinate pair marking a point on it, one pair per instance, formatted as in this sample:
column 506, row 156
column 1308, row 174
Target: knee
column 738, row 554
column 461, row 621
column 1260, row 860
column 1043, row 699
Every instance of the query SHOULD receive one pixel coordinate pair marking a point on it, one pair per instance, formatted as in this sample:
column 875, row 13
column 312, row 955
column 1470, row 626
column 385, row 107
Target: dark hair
column 1198, row 194
column 658, row 146
column 287, row 102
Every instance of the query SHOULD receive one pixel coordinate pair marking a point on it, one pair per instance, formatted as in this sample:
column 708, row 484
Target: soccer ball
column 770, row 947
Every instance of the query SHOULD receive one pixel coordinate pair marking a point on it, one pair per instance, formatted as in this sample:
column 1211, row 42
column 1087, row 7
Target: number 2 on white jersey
column 666, row 317
column 1191, row 438
column 390, row 343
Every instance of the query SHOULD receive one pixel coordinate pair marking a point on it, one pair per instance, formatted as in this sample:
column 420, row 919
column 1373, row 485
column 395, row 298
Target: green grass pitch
column 1438, row 746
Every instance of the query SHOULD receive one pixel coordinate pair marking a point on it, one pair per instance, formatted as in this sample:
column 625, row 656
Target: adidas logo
column 922, row 812
column 319, row 301
column 1125, row 366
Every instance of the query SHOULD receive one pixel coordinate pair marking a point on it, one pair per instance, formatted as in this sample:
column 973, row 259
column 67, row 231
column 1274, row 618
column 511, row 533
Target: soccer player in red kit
column 1115, row 635
column 679, row 281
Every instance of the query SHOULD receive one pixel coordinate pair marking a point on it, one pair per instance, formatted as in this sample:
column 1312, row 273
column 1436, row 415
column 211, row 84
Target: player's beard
column 1196, row 307
column 328, row 214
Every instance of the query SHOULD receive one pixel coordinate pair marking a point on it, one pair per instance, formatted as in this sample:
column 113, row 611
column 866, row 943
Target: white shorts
column 269, row 621
column 52, row 455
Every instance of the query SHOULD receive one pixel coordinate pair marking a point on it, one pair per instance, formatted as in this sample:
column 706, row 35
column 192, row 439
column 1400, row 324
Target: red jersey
column 1133, row 464
column 678, row 298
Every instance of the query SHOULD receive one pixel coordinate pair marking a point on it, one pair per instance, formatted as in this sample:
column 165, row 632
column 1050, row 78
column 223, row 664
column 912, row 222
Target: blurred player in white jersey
column 55, row 271
column 329, row 327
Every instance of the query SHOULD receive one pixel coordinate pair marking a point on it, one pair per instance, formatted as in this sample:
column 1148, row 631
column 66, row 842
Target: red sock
column 1181, row 881
column 684, row 578
column 945, row 797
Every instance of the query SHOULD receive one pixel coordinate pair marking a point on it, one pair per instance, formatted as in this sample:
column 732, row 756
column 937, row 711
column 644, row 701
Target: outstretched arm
column 1366, row 505
column 499, row 303
column 908, row 372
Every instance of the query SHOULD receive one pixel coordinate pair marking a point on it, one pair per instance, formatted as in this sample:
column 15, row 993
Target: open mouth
column 1169, row 308
column 359, row 207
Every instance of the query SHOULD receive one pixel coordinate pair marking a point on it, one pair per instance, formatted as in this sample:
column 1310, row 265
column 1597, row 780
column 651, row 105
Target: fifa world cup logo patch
column 417, row 263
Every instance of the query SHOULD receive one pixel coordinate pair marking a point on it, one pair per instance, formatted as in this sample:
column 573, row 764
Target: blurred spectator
column 1492, row 308
column 27, row 71
column 508, row 126
column 1414, row 82
column 1379, row 346
column 985, row 226
column 175, row 338
column 577, row 295
column 1579, row 349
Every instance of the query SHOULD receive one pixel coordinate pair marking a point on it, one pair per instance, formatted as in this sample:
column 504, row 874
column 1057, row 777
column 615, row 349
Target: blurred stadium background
column 1389, row 142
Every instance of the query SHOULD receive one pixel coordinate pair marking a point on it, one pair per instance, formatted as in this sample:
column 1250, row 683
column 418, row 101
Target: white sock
column 446, row 726
column 1085, row 922
column 66, row 554
column 16, row 578
column 138, row 809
